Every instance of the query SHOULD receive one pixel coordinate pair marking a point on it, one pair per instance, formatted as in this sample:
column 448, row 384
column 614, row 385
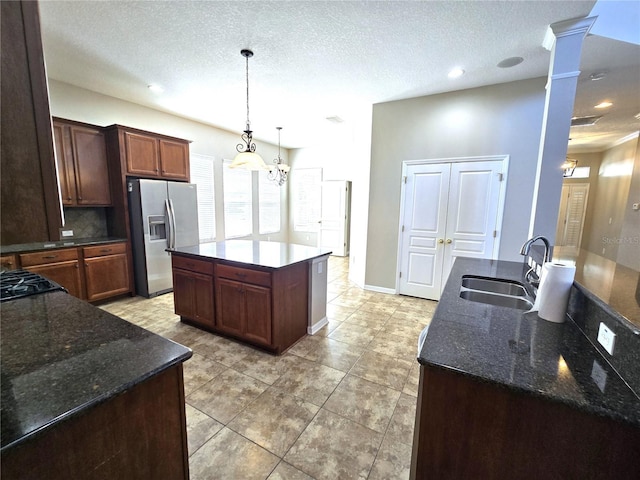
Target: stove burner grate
column 20, row 283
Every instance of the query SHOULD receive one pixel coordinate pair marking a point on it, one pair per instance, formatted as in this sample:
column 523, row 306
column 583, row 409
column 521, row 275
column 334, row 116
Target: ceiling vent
column 585, row 121
column 335, row 119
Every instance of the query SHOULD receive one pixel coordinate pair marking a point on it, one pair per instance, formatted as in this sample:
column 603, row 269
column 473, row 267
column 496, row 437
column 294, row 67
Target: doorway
column 449, row 208
column 573, row 209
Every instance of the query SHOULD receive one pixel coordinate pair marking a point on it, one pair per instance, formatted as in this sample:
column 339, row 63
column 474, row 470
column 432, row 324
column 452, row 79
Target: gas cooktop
column 20, row 283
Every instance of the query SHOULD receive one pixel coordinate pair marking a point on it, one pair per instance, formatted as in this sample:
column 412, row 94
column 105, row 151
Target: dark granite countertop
column 261, row 254
column 72, row 242
column 61, row 355
column 519, row 350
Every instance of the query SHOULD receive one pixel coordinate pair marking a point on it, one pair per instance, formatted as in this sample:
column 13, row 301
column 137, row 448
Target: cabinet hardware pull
column 241, row 275
column 105, row 250
column 49, row 257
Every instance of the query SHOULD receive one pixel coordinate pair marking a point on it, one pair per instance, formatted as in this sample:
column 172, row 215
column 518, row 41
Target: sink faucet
column 527, row 246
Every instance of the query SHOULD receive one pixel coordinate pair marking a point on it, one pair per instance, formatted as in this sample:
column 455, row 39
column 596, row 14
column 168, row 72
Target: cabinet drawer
column 52, row 256
column 191, row 264
column 244, row 275
column 100, row 250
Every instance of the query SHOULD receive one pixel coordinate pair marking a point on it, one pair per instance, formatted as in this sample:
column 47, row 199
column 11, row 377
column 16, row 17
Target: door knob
column 449, row 240
column 440, row 240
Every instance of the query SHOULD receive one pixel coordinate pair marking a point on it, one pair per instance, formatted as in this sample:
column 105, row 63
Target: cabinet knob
column 440, row 240
column 69, row 198
column 449, row 240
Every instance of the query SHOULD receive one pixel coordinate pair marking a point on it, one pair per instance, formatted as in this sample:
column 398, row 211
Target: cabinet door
column 142, row 155
column 106, row 276
column 230, row 306
column 91, row 170
column 64, row 162
column 258, row 313
column 193, row 296
column 8, row 262
column 66, row 274
column 174, row 160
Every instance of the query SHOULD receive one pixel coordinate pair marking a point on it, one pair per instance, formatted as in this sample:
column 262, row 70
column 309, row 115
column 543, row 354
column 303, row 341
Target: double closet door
column 448, row 210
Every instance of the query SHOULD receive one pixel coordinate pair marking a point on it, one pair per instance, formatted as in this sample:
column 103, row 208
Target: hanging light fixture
column 247, row 158
column 569, row 166
column 279, row 171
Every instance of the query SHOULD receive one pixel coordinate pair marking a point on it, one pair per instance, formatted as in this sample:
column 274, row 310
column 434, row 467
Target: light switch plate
column 66, row 233
column 606, row 338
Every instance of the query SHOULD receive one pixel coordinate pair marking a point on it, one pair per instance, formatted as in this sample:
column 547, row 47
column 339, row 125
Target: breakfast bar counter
column 268, row 294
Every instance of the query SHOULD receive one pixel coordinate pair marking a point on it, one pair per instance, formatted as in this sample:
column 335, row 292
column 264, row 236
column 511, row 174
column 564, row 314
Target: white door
column 334, row 223
column 424, row 222
column 573, row 207
column 449, row 210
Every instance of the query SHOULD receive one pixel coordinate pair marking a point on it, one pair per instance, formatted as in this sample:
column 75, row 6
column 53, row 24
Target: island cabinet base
column 140, row 433
column 466, row 428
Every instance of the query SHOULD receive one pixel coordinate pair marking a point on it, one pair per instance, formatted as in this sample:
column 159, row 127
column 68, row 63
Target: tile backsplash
column 86, row 222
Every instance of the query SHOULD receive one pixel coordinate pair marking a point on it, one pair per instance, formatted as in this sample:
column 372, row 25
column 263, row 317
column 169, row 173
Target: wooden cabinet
column 81, row 157
column 8, row 262
column 193, row 290
column 106, row 271
column 149, row 155
column 61, row 265
column 242, row 308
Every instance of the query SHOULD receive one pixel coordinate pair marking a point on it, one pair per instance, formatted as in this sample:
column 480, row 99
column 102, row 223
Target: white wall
column 73, row 103
column 494, row 120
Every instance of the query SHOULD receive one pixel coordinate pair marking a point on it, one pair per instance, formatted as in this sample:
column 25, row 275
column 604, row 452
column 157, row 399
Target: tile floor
column 338, row 405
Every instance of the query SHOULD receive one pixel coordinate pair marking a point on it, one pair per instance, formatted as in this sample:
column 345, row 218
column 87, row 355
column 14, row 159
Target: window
column 306, row 192
column 581, row 172
column 202, row 176
column 238, row 219
column 268, row 204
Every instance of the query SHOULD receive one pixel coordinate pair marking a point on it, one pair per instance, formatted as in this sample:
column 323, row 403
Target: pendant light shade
column 246, row 157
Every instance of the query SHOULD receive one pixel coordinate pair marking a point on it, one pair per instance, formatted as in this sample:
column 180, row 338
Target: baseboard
column 313, row 329
column 374, row 288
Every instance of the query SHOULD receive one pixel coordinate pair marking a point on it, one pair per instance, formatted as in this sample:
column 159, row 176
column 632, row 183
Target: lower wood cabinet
column 193, row 290
column 8, row 262
column 106, row 271
column 62, row 266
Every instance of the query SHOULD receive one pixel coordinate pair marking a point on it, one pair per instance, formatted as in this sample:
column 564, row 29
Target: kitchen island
column 505, row 394
column 88, row 395
column 268, row 294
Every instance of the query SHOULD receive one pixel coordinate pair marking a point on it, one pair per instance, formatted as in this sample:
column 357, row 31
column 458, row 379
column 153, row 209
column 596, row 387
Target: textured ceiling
column 313, row 59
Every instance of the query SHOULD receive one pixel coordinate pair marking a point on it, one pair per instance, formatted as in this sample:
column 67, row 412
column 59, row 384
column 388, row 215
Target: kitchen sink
column 521, row 303
column 494, row 285
column 495, row 291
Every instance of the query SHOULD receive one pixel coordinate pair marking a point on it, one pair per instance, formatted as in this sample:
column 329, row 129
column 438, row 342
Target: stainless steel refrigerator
column 163, row 215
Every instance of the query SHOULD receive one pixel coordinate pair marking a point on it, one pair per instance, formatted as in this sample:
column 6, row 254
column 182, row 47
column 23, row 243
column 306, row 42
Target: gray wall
column 494, row 120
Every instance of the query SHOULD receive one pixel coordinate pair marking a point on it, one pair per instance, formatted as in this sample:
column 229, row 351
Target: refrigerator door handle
column 173, row 225
column 170, row 225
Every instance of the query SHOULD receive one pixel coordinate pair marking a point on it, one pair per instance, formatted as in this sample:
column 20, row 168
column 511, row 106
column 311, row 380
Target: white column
column 561, row 91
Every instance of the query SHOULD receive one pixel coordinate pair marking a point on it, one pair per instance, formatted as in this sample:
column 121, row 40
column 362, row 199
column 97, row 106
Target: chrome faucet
column 527, row 246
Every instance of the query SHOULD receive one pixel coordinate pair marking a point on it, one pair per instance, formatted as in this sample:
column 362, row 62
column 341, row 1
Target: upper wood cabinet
column 81, row 156
column 150, row 155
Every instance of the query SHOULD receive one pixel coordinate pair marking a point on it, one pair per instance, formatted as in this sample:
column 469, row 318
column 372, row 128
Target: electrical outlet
column 606, row 338
column 67, row 233
column 599, row 376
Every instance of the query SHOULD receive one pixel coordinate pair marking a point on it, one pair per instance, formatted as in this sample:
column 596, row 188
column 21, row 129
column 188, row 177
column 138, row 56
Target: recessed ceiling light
column 585, row 121
column 597, row 76
column 456, row 72
column 603, row 105
column 510, row 62
column 155, row 88
column 335, row 119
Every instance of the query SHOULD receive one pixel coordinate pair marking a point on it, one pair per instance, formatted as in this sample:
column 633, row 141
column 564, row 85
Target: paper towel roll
column 553, row 293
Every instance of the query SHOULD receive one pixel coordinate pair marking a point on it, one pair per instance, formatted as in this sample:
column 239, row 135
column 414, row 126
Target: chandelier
column 247, row 158
column 568, row 167
column 279, row 171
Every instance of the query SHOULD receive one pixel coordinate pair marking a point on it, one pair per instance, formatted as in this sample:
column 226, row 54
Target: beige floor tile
column 338, row 312
column 332, row 353
column 413, row 380
column 305, row 346
column 403, row 420
column 364, row 402
column 274, row 420
column 198, row 370
column 353, row 334
column 263, row 366
column 333, row 447
column 392, row 463
column 379, row 308
column 403, row 327
column 310, row 381
column 373, row 320
column 328, row 328
column 226, row 395
column 395, row 346
column 284, row 471
column 220, row 349
column 382, row 369
column 200, row 428
column 347, row 302
column 423, row 318
column 230, row 456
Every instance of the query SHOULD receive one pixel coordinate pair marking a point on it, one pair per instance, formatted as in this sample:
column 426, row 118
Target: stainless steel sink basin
column 495, row 291
column 494, row 285
column 520, row 303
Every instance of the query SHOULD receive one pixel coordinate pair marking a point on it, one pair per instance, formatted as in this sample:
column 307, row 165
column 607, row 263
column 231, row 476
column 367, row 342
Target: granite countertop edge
column 94, row 402
column 41, row 246
column 447, row 308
